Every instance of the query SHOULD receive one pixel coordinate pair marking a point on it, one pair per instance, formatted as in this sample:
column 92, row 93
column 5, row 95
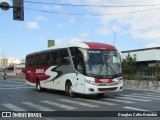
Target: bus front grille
column 104, row 89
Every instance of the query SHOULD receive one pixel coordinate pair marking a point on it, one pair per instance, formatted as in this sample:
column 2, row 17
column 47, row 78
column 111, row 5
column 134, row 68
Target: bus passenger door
column 80, row 74
column 78, row 64
column 80, row 83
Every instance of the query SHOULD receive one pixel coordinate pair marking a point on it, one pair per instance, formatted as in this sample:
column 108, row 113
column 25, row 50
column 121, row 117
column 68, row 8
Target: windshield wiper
column 107, row 57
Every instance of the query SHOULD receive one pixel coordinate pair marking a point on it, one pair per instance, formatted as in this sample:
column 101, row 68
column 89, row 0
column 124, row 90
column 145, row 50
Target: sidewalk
column 14, row 77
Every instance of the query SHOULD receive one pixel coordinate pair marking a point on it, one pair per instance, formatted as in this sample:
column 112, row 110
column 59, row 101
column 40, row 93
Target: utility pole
column 2, row 59
column 18, row 9
column 115, row 35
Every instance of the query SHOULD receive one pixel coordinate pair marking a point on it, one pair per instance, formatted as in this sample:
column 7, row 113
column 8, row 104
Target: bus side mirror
column 85, row 55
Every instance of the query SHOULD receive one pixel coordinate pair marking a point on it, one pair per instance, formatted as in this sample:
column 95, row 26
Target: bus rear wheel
column 38, row 86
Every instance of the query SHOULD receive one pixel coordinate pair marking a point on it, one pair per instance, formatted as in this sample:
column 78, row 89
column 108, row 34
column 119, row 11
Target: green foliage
column 23, row 70
column 137, row 77
column 157, row 70
column 128, row 67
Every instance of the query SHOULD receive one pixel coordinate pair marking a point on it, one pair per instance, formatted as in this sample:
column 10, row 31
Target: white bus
column 83, row 67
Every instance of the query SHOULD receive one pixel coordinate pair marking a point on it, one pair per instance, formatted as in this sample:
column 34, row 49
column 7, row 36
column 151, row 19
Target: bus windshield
column 103, row 63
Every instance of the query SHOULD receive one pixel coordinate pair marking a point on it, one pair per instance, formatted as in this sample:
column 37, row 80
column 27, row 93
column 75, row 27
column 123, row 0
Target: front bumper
column 96, row 89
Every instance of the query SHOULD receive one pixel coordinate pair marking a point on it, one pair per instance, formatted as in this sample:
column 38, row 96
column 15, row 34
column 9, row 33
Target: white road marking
column 157, row 91
column 78, row 103
column 130, row 98
column 16, row 88
column 142, row 97
column 147, row 95
column 118, row 100
column 136, row 109
column 23, row 82
column 11, row 85
column 153, row 96
column 42, row 108
column 99, row 102
column 13, row 107
column 59, row 105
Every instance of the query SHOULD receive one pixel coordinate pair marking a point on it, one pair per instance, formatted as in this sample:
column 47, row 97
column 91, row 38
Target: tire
column 69, row 90
column 38, row 86
column 66, row 89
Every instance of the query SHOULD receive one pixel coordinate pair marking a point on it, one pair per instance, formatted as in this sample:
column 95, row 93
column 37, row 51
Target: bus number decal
column 39, row 70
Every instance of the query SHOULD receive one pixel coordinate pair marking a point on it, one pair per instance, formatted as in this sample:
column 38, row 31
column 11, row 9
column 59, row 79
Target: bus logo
column 39, row 70
column 104, row 80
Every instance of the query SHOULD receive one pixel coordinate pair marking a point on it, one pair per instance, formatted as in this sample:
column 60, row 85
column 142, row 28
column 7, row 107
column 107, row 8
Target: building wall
column 3, row 62
column 10, row 61
column 144, row 55
column 14, row 70
column 145, row 60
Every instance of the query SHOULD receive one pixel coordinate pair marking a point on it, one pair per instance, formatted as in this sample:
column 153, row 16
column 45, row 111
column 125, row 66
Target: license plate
column 108, row 91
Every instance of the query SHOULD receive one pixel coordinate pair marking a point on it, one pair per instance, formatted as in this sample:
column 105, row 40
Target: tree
column 157, row 70
column 129, row 66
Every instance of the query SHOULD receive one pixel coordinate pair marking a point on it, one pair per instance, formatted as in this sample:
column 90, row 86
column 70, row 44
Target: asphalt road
column 16, row 96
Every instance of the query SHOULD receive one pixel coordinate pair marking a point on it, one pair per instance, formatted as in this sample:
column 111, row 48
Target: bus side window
column 53, row 58
column 63, row 57
column 27, row 61
column 45, row 59
column 31, row 61
column 38, row 60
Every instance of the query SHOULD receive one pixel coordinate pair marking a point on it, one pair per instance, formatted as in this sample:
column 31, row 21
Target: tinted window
column 53, row 58
column 63, row 56
column 77, row 58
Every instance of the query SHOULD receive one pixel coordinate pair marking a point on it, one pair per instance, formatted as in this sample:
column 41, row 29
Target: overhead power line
column 91, row 14
column 87, row 5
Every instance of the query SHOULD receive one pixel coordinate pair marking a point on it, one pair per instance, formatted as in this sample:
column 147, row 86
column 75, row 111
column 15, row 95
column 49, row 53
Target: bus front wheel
column 69, row 89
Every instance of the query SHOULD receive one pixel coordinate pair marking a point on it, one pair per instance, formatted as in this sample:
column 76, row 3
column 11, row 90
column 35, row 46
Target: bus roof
column 87, row 45
column 93, row 45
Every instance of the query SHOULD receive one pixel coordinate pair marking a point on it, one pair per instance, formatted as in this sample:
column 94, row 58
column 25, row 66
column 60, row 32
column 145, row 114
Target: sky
column 127, row 24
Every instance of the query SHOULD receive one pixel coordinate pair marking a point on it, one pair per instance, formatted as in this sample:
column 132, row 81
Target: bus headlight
column 91, row 82
column 119, row 80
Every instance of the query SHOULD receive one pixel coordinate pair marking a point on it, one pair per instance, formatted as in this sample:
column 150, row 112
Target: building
column 3, row 62
column 12, row 66
column 145, row 60
column 14, row 70
column 7, row 61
